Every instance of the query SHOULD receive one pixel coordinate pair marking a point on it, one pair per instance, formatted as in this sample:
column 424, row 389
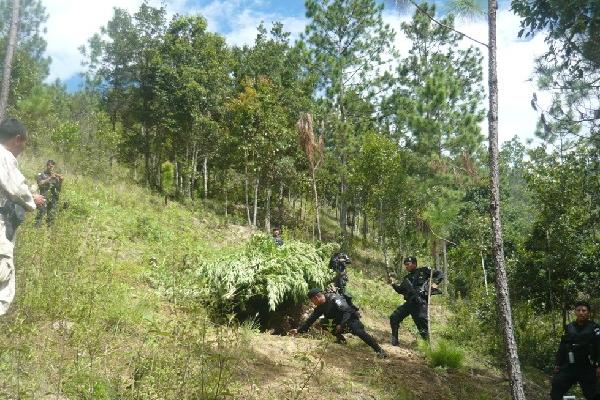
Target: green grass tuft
column 443, row 354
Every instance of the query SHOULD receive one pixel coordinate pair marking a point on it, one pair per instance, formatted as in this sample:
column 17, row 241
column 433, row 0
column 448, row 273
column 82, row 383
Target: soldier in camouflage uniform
column 49, row 184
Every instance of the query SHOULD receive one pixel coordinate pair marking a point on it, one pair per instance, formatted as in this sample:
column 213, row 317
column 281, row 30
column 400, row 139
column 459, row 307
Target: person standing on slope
column 15, row 199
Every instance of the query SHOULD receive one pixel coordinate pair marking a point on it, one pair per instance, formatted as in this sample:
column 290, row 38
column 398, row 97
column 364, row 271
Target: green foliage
column 443, row 354
column 167, row 178
column 268, row 273
column 570, row 68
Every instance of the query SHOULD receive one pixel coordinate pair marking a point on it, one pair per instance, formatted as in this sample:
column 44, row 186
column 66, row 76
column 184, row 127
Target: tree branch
column 423, row 11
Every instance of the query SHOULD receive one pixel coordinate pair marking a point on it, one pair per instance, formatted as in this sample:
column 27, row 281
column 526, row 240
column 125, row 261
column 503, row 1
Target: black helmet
column 339, row 261
column 313, row 292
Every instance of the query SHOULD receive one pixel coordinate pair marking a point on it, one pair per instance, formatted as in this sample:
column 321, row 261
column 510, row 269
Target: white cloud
column 72, row 22
column 516, row 61
column 238, row 21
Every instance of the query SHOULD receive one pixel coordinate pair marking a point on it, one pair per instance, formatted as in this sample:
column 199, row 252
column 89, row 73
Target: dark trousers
column 48, row 210
column 356, row 328
column 418, row 312
column 568, row 376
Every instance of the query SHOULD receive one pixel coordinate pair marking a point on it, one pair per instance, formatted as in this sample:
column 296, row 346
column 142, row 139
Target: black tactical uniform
column 414, row 288
column 577, row 359
column 337, row 309
column 50, row 190
column 338, row 262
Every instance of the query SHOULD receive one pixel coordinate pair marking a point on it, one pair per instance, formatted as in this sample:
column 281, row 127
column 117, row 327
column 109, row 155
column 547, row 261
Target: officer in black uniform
column 333, row 306
column 578, row 356
column 415, row 289
column 338, row 263
column 49, row 185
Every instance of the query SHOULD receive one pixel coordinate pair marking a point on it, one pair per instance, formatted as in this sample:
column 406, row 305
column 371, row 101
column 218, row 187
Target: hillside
column 90, row 322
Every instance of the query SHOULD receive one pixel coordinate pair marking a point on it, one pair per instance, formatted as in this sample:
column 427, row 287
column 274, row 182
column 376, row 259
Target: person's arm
column 397, row 288
column 346, row 311
column 437, row 276
column 596, row 345
column 41, row 181
column 311, row 320
column 560, row 353
column 12, row 182
column 347, row 314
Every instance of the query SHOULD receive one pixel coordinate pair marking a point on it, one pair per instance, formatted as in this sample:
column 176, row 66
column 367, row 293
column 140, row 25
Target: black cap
column 411, row 259
column 313, row 292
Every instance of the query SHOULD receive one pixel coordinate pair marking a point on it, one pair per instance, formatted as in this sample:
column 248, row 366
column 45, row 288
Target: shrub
column 444, row 354
column 264, row 278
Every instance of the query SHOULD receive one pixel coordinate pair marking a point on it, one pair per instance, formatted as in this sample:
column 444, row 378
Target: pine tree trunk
column 503, row 299
column 446, row 278
column 317, row 208
column 226, row 205
column 280, row 203
column 256, row 184
column 268, row 211
column 343, row 204
column 246, row 190
column 10, row 51
column 485, row 281
column 205, row 177
column 365, row 227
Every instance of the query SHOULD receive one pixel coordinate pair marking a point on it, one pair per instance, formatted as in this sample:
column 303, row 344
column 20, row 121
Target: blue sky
column 72, row 22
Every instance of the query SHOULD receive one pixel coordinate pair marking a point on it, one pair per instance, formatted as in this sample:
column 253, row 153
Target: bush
column 444, row 354
column 263, row 277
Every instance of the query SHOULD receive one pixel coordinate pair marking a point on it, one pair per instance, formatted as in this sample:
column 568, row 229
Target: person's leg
column 51, row 211
column 395, row 319
column 339, row 337
column 587, row 383
column 41, row 212
column 420, row 317
column 7, row 283
column 561, row 383
column 357, row 328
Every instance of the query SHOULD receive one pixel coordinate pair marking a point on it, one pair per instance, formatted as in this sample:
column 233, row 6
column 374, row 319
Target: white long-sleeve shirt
column 12, row 188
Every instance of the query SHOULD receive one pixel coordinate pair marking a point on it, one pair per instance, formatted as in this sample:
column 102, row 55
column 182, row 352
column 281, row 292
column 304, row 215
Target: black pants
column 568, row 376
column 418, row 312
column 358, row 329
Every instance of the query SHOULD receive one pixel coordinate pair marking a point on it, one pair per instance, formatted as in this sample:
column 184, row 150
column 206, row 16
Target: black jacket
column 415, row 286
column 335, row 308
column 583, row 341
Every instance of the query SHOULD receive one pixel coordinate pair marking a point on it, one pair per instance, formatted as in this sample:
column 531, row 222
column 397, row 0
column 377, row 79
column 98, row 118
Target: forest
column 338, row 138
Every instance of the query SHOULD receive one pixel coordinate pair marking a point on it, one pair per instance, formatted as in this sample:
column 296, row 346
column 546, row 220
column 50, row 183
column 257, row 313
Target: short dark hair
column 51, row 162
column 10, row 128
column 583, row 303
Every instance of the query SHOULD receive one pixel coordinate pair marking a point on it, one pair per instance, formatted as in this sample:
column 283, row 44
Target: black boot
column 394, row 340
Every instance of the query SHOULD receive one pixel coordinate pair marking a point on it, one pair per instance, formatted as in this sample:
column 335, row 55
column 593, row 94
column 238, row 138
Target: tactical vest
column 581, row 343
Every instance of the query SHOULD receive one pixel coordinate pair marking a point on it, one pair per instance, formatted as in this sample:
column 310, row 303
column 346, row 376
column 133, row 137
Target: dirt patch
column 313, row 367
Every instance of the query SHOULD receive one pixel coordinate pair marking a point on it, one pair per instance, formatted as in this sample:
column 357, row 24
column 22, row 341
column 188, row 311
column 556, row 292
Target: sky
column 72, row 22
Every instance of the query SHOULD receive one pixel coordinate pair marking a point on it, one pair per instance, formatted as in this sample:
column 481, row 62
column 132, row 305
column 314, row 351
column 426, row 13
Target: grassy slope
column 87, row 322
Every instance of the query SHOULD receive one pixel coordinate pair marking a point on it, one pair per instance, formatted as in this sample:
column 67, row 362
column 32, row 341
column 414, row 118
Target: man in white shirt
column 15, row 199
